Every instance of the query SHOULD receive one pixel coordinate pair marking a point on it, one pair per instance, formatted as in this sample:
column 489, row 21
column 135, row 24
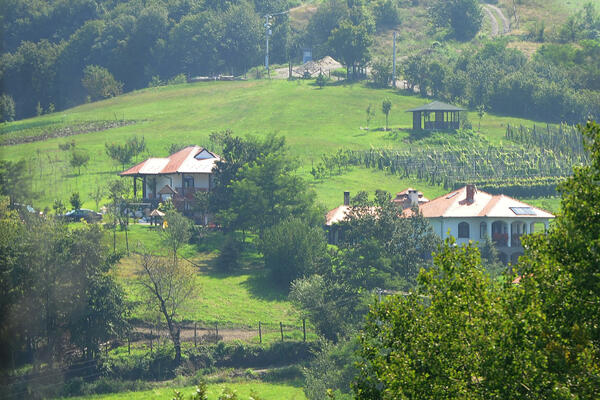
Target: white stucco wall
column 201, row 181
column 449, row 226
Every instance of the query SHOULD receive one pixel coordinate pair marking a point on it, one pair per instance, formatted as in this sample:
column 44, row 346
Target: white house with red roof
column 177, row 177
column 466, row 214
column 471, row 214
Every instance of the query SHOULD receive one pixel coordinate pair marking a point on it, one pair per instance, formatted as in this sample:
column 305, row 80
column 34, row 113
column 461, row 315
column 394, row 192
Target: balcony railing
column 501, row 239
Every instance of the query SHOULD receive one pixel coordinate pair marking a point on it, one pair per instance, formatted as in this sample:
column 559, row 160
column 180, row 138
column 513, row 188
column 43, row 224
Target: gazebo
column 446, row 116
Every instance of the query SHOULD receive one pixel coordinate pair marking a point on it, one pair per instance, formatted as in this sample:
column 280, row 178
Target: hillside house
column 177, row 177
column 467, row 214
column 471, row 214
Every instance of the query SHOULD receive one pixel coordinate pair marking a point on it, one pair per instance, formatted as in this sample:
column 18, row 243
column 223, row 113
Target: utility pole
column 267, row 34
column 394, row 63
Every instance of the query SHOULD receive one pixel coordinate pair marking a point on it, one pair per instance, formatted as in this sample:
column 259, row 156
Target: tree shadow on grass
column 260, row 286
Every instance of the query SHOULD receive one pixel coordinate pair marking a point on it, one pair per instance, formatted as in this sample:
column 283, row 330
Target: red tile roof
column 192, row 159
column 454, row 204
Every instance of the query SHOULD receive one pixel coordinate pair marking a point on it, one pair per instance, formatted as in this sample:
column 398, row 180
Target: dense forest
column 60, row 53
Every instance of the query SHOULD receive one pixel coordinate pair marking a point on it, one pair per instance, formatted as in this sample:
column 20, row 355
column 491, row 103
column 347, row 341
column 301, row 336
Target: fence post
column 259, row 332
column 304, row 328
column 217, row 332
column 281, row 329
column 195, row 341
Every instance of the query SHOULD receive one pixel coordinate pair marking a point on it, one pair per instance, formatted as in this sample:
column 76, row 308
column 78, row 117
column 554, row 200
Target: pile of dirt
column 323, row 65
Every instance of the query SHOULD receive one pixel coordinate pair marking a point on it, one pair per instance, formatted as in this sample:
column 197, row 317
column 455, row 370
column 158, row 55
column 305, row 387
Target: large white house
column 471, row 214
column 466, row 214
column 177, row 177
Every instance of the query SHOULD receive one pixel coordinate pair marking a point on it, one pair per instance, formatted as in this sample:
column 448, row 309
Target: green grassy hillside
column 314, row 121
column 267, row 391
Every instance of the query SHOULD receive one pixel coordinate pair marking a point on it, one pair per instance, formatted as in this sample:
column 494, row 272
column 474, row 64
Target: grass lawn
column 240, row 298
column 314, row 122
column 266, row 391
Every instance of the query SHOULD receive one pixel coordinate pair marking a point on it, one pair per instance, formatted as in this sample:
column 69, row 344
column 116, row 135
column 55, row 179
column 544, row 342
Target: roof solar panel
column 523, row 210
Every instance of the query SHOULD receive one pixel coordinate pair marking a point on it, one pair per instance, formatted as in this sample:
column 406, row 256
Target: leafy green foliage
column 99, row 83
column 292, row 249
column 13, row 181
column 56, row 286
column 386, row 107
column 178, row 231
column 433, row 348
column 381, row 73
column 379, row 249
column 462, row 17
column 7, row 108
column 229, row 255
column 75, row 201
column 462, row 335
column 79, row 158
column 256, row 187
column 334, row 368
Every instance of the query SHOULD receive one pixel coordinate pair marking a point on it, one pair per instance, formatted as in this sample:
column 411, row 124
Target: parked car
column 88, row 215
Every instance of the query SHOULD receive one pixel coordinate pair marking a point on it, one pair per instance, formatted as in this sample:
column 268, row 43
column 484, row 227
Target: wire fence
column 200, row 333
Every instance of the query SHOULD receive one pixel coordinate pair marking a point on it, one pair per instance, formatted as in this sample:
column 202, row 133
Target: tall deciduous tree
column 350, row 44
column 169, row 286
column 463, row 17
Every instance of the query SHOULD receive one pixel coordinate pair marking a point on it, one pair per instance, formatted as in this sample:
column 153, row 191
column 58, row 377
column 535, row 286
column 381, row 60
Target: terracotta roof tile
column 183, row 161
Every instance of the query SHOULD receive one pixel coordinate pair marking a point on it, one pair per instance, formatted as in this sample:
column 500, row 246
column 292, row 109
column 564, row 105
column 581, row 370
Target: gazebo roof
column 436, row 106
column 157, row 213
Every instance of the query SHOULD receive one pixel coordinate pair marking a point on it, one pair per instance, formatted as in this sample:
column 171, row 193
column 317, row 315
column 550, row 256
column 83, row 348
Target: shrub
column 7, row 108
column 99, row 83
column 229, row 256
column 177, row 80
column 292, row 249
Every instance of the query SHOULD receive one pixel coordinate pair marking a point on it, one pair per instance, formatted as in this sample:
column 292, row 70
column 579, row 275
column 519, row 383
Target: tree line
column 503, row 80
column 60, row 53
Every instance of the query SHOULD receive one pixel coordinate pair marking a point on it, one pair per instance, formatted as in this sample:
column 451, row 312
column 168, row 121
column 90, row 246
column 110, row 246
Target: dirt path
column 505, row 21
column 493, row 20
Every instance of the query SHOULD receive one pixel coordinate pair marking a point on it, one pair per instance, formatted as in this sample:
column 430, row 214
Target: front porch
column 506, row 235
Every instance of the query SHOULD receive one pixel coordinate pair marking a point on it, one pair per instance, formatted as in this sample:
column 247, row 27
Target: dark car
column 87, row 215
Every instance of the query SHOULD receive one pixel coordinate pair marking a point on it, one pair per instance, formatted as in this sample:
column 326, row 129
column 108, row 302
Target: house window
column 188, row 182
column 463, row 230
column 482, row 230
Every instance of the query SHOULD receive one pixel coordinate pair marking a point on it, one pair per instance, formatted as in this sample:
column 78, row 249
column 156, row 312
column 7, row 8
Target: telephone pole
column 268, row 33
column 394, row 63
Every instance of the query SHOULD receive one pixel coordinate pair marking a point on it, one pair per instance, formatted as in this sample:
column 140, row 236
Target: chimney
column 413, row 196
column 471, row 189
column 346, row 198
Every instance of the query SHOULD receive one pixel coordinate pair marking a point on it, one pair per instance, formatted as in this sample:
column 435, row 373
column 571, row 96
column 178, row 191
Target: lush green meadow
column 314, row 122
column 240, row 298
column 266, row 391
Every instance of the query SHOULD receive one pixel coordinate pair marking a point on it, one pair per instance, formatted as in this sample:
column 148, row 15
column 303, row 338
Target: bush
column 229, row 256
column 99, row 83
column 177, row 80
column 292, row 249
column 7, row 108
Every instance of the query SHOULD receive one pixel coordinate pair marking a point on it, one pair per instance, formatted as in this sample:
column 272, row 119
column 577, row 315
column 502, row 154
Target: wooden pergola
column 445, row 116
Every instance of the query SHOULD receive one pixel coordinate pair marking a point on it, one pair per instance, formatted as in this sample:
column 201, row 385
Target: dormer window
column 203, row 155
